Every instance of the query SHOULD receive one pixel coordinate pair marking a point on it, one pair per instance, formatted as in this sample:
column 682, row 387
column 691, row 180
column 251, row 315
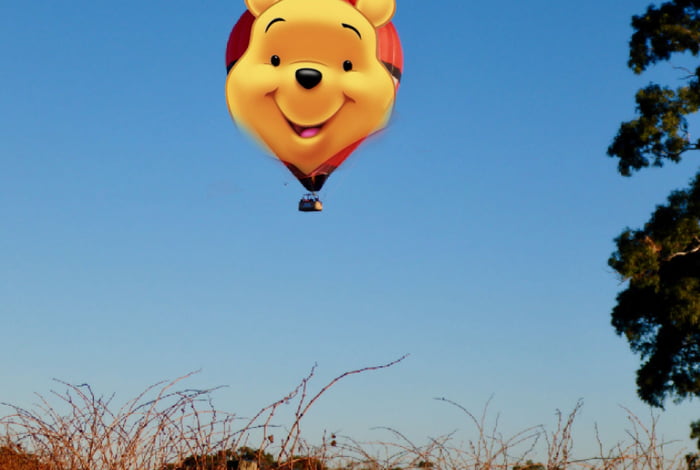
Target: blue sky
column 144, row 236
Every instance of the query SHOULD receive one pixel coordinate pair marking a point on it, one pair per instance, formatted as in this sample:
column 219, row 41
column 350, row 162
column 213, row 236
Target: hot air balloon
column 312, row 79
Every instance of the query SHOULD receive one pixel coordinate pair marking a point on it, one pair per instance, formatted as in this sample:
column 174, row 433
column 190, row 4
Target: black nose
column 308, row 78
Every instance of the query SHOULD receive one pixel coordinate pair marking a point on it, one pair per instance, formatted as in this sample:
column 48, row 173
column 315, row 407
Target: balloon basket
column 310, row 203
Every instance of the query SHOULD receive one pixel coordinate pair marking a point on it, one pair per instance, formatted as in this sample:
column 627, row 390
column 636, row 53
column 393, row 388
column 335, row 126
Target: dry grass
column 160, row 427
column 168, row 429
column 491, row 450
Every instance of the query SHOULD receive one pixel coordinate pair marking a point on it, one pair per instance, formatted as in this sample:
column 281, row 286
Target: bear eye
column 347, row 66
column 275, row 60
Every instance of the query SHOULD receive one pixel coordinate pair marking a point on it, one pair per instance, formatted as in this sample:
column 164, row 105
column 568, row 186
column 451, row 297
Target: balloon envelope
column 388, row 53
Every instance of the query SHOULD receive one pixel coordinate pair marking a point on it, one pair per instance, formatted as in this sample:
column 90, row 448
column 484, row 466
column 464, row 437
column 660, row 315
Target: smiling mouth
column 305, row 131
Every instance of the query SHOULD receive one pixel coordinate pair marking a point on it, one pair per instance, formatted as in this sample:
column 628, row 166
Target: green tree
column 659, row 311
column 228, row 459
column 660, row 132
column 530, row 465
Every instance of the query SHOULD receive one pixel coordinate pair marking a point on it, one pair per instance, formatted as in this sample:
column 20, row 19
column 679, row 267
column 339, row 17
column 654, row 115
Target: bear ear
column 258, row 6
column 378, row 12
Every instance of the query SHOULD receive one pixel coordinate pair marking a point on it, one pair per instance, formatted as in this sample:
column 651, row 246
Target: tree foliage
column 228, row 459
column 659, row 311
column 660, row 132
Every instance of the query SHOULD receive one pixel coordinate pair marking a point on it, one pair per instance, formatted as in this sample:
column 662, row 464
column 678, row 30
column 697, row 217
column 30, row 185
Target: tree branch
column 695, row 249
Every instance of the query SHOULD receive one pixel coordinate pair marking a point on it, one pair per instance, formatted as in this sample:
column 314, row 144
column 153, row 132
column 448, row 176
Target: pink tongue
column 309, row 131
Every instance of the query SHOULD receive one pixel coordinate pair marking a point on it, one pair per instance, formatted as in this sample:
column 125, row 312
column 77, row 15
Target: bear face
column 310, row 83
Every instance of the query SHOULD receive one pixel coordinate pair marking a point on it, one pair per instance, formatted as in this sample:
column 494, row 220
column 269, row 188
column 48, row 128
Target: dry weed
column 153, row 432
column 165, row 429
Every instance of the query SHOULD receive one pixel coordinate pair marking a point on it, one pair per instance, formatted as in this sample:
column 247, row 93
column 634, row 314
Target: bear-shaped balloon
column 311, row 79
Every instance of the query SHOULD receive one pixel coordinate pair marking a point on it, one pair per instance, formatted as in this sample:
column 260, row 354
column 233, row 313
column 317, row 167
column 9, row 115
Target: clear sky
column 144, row 236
